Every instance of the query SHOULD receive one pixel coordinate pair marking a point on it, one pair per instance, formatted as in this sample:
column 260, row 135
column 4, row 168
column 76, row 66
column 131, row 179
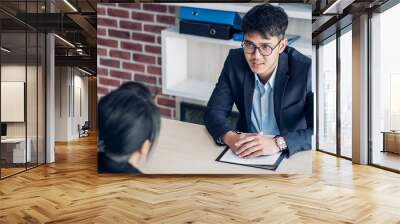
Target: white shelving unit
column 192, row 64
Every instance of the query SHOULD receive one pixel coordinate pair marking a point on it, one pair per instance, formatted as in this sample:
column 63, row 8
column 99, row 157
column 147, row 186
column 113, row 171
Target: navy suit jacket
column 293, row 98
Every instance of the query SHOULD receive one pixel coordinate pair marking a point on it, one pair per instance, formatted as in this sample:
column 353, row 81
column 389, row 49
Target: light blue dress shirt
column 262, row 112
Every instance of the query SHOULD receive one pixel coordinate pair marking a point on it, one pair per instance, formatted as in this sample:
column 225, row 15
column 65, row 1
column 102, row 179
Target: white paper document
column 230, row 157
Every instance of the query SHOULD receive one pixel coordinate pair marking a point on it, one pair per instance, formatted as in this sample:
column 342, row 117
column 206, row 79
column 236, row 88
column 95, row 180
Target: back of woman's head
column 137, row 89
column 126, row 120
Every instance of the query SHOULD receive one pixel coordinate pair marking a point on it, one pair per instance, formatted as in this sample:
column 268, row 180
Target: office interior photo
column 70, row 53
column 48, row 79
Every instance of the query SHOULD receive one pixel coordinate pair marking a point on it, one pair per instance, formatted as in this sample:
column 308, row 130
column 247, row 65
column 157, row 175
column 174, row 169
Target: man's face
column 263, row 64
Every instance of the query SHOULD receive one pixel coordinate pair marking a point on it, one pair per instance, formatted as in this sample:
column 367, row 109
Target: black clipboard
column 265, row 167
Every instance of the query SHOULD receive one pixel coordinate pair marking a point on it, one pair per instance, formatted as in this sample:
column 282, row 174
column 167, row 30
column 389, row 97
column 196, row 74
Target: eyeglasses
column 264, row 49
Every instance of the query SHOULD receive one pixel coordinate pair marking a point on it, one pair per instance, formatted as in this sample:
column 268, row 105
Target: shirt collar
column 271, row 80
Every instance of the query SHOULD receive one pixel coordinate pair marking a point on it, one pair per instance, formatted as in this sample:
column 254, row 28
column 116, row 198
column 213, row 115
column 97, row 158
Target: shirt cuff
column 220, row 142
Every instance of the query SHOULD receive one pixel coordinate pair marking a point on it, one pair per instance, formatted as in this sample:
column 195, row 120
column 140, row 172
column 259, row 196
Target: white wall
column 14, row 73
column 80, row 118
column 61, row 103
column 70, row 83
column 33, row 126
column 17, row 73
column 80, row 89
column 12, row 101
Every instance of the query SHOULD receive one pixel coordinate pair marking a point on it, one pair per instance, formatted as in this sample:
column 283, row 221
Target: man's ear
column 282, row 45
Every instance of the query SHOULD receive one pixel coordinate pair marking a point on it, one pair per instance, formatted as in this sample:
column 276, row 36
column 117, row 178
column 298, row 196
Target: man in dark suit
column 270, row 84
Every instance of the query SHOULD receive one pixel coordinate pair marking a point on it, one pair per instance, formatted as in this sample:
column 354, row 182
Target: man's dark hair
column 265, row 19
column 126, row 120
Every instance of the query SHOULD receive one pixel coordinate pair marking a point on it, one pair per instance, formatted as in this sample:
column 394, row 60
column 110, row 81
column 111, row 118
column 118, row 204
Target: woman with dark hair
column 128, row 124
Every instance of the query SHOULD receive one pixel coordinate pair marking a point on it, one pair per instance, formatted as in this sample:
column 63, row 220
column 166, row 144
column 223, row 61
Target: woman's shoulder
column 106, row 165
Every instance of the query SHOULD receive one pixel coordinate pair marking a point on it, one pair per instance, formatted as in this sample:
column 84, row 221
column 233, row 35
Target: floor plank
column 71, row 191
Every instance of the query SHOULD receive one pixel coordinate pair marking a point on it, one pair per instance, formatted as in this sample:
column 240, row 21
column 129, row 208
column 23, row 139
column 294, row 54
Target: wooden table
column 185, row 148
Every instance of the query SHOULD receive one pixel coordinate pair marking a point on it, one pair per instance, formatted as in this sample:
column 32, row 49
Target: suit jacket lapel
column 248, row 90
column 281, row 80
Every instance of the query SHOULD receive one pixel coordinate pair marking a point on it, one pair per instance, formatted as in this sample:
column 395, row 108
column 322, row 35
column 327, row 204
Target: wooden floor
column 71, row 191
column 5, row 172
column 10, row 171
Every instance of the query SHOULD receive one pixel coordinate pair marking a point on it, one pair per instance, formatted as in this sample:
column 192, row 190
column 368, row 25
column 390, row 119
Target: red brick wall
column 129, row 47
